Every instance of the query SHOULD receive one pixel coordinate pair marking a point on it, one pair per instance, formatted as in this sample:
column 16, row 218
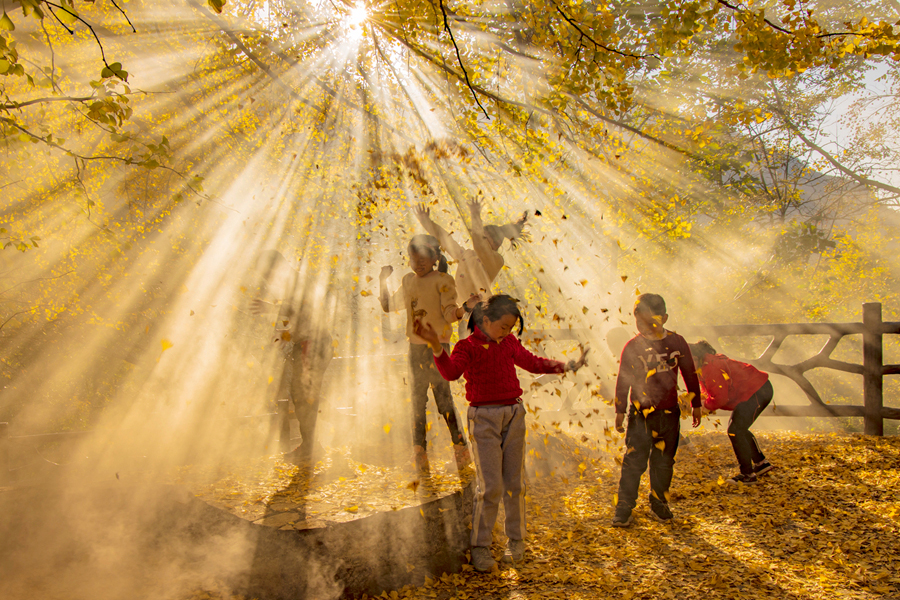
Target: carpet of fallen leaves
column 822, row 525
column 272, row 492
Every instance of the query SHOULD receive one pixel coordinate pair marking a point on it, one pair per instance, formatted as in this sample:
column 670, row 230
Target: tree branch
column 596, row 43
column 827, row 155
column 460, row 60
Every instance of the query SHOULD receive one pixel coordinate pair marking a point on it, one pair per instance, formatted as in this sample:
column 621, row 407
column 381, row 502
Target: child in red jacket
column 743, row 389
column 488, row 358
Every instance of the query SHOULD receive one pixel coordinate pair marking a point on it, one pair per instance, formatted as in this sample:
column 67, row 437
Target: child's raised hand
column 422, row 212
column 472, row 302
column 574, row 365
column 386, row 272
column 620, row 422
column 475, row 207
column 259, row 306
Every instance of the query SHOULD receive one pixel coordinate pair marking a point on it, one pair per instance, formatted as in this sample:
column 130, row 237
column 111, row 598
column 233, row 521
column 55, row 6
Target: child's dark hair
column 701, row 349
column 652, row 303
column 494, row 308
column 514, row 231
column 428, row 244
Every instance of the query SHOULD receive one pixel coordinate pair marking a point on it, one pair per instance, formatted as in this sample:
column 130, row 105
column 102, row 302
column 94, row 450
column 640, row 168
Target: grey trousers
column 498, row 447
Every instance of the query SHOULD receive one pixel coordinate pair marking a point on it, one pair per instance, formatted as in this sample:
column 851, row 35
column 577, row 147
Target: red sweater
column 490, row 368
column 726, row 382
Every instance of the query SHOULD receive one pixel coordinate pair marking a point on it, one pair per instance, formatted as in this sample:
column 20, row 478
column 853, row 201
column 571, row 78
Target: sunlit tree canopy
column 736, row 157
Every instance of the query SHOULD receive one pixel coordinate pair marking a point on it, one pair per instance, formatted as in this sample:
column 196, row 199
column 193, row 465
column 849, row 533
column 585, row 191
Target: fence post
column 4, row 453
column 873, row 368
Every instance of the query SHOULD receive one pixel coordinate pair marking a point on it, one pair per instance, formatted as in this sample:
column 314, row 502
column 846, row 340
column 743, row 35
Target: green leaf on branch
column 6, row 23
column 114, row 70
column 67, row 16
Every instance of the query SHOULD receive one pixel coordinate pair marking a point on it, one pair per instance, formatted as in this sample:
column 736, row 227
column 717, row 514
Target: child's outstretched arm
column 423, row 214
column 532, row 363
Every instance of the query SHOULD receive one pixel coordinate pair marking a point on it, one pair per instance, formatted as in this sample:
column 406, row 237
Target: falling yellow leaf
column 615, row 499
column 387, row 428
column 166, row 344
column 352, row 509
column 365, row 293
column 651, row 372
column 661, row 444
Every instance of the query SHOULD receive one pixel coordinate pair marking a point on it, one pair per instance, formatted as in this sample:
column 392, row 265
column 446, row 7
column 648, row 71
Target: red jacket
column 726, row 382
column 490, row 368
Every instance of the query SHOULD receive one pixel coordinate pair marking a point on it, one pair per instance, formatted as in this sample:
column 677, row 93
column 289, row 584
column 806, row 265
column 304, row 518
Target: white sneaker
column 482, row 559
column 515, row 551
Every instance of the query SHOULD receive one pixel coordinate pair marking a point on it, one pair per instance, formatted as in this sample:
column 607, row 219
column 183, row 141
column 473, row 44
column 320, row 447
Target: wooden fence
column 872, row 369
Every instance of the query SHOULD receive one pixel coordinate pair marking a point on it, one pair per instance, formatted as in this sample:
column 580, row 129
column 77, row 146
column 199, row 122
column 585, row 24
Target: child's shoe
column 660, row 510
column 422, row 465
column 515, row 551
column 622, row 518
column 463, row 457
column 482, row 559
column 742, row 478
column 762, row 466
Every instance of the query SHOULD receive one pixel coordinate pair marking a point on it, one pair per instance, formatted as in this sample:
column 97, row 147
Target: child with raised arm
column 648, row 371
column 488, row 359
column 478, row 267
column 729, row 384
column 427, row 295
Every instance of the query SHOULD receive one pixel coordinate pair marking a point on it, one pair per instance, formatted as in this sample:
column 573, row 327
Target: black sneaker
column 622, row 517
column 763, row 466
column 742, row 478
column 660, row 510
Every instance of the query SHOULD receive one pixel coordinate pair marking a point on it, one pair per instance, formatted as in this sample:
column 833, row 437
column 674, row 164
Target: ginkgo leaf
column 166, row 344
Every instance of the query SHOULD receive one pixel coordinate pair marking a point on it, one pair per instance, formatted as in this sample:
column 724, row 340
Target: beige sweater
column 432, row 299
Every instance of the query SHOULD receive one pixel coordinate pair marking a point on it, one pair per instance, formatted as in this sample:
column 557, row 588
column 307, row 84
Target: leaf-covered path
column 824, row 524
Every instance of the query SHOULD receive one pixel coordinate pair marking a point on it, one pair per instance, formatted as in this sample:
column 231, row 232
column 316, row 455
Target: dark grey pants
column 746, row 448
column 653, row 441
column 423, row 375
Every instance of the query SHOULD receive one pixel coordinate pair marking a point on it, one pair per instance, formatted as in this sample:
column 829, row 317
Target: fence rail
column 872, row 329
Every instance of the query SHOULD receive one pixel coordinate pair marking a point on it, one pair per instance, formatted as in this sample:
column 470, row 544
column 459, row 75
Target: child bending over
column 743, row 389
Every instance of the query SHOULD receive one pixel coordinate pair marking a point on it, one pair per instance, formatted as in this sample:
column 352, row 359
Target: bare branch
column 459, row 58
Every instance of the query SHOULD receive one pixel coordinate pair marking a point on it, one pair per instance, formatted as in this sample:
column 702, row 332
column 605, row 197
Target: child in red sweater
column 743, row 389
column 488, row 358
